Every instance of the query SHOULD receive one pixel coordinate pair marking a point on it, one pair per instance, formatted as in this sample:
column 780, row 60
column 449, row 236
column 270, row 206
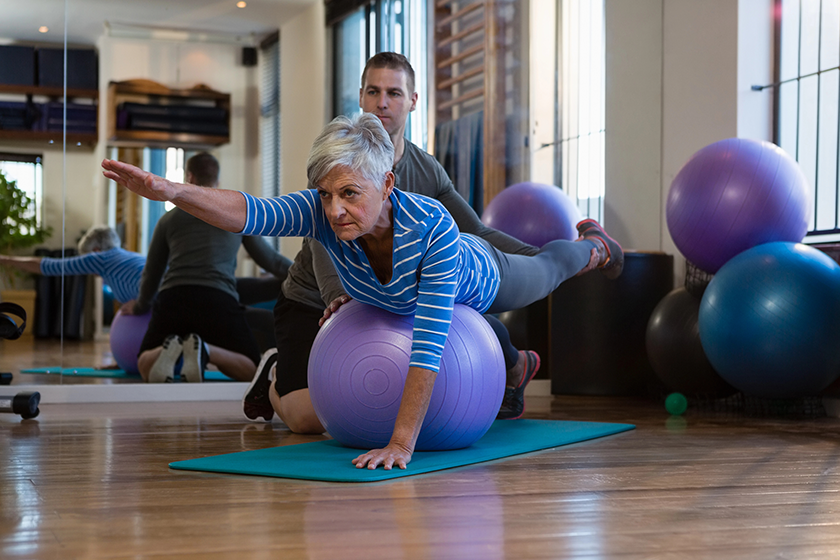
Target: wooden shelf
column 154, row 93
column 49, row 137
column 56, row 95
column 155, row 139
column 49, row 91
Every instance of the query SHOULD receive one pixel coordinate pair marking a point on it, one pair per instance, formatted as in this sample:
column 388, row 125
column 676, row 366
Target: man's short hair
column 391, row 61
column 204, row 169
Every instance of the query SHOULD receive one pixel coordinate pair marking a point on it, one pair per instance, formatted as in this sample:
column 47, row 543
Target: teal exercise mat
column 329, row 461
column 209, row 375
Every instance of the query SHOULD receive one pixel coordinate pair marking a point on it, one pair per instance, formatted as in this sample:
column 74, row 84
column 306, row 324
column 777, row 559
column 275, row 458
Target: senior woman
column 398, row 251
column 99, row 253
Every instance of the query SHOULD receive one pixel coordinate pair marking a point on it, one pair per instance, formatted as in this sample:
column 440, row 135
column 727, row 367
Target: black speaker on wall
column 17, row 65
column 249, row 56
column 82, row 68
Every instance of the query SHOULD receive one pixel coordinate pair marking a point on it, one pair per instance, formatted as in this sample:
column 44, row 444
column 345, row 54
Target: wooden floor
column 92, row 482
column 29, row 352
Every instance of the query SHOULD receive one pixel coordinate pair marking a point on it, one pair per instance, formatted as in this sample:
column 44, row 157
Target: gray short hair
column 358, row 142
column 99, row 238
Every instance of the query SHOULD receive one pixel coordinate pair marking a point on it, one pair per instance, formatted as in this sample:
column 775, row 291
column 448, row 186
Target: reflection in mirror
column 175, row 56
column 34, row 157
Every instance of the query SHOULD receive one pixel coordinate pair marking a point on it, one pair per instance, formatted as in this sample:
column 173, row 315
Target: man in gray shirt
column 388, row 92
column 188, row 282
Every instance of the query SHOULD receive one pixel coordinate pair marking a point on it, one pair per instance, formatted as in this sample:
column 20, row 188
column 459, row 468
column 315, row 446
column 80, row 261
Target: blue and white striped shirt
column 119, row 268
column 434, row 266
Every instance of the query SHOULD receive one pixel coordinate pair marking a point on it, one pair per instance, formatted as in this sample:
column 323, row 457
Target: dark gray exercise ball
column 673, row 346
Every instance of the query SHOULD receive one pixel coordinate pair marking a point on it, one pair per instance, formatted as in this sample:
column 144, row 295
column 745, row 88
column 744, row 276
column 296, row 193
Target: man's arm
column 266, row 257
column 328, row 282
column 468, row 221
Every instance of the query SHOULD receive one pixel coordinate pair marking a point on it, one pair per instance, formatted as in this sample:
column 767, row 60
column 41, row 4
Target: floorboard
column 92, row 482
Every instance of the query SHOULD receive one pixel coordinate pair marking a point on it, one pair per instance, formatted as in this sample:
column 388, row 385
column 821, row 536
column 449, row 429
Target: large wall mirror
column 122, row 62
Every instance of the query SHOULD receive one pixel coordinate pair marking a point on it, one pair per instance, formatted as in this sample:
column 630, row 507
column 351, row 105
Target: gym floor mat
column 209, row 375
column 330, row 461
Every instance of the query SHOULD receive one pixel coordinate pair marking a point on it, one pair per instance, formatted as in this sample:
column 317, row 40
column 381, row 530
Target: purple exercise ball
column 127, row 332
column 357, row 370
column 733, row 195
column 533, row 213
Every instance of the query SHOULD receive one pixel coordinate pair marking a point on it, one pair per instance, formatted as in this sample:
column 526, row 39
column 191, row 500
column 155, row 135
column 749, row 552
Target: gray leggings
column 526, row 279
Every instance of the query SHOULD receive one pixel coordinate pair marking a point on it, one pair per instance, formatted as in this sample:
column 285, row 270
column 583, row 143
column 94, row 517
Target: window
column 27, row 172
column 568, row 105
column 270, row 116
column 383, row 25
column 808, row 93
column 167, row 163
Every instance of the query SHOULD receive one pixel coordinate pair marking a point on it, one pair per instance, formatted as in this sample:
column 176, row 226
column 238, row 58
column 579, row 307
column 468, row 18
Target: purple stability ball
column 127, row 332
column 533, row 213
column 357, row 370
column 733, row 195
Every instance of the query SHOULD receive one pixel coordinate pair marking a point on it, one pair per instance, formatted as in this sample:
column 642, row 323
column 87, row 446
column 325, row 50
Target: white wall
column 755, row 67
column 634, row 122
column 184, row 65
column 303, row 98
column 678, row 79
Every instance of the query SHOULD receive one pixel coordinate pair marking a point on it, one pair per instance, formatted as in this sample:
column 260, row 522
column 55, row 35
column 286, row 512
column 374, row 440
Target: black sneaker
column 163, row 370
column 195, row 359
column 255, row 403
column 513, row 403
column 614, row 255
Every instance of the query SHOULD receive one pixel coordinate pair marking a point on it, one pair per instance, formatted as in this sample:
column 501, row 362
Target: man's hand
column 333, row 307
column 128, row 307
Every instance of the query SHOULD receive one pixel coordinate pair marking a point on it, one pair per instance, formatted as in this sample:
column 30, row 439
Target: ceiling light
column 43, row 29
column 241, row 4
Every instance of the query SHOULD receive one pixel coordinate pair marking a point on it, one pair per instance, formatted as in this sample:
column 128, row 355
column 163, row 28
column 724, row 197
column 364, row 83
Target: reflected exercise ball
column 127, row 332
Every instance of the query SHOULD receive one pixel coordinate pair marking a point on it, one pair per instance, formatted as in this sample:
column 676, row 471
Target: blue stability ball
column 770, row 321
column 533, row 213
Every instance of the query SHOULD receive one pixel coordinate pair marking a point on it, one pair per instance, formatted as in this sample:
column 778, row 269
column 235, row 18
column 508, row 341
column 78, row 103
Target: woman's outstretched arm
column 26, row 264
column 221, row 208
column 416, row 397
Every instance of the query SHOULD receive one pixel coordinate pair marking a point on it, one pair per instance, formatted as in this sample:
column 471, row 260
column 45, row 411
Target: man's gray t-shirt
column 185, row 251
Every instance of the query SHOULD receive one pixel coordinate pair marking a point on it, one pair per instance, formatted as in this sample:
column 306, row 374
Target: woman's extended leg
column 525, row 279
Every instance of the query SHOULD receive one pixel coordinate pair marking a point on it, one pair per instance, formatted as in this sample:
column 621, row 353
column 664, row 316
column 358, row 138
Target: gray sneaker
column 163, row 371
column 612, row 254
column 195, row 359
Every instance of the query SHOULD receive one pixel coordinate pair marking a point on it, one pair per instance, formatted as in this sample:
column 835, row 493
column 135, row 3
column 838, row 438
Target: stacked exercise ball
column 770, row 321
column 533, row 213
column 127, row 332
column 733, row 195
column 357, row 371
column 675, row 351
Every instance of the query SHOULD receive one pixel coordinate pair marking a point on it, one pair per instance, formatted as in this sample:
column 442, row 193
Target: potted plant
column 19, row 229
